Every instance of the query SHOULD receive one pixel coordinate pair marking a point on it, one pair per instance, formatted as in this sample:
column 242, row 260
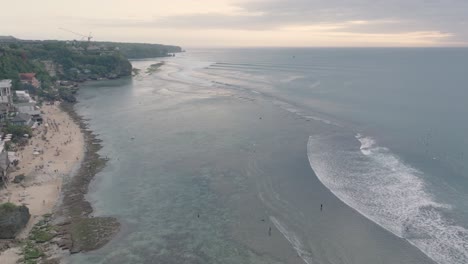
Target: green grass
column 41, row 235
column 7, row 207
column 31, row 252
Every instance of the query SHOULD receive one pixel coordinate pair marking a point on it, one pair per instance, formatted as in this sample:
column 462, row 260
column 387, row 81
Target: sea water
column 229, row 143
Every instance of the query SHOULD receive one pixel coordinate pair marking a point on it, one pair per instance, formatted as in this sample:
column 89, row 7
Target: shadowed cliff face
column 12, row 220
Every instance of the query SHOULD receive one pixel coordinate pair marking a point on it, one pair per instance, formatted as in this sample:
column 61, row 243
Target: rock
column 12, row 219
column 89, row 234
column 5, row 244
column 19, row 178
column 51, row 261
column 65, row 244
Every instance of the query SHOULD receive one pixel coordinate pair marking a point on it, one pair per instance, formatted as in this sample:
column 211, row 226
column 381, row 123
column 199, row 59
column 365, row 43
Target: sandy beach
column 53, row 152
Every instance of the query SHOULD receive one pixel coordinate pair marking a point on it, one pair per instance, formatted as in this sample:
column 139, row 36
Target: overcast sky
column 217, row 23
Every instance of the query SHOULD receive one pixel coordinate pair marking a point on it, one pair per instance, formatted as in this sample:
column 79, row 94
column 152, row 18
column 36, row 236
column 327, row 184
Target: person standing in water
column 321, row 207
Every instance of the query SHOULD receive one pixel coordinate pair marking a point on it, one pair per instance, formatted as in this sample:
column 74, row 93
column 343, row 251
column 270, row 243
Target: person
column 269, row 231
column 321, row 207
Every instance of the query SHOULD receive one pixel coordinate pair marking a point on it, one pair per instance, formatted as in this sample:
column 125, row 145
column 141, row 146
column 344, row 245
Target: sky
column 243, row 23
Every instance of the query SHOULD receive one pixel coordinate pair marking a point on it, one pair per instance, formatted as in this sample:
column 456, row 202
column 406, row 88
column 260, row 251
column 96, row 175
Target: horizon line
column 258, row 46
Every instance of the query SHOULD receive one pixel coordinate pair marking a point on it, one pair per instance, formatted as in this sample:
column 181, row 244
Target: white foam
column 292, row 78
column 379, row 185
column 293, row 240
column 290, row 108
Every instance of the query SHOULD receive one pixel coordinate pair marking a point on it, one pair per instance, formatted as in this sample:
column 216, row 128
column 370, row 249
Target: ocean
column 285, row 155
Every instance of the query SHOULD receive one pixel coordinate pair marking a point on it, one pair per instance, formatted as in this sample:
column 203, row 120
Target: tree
column 17, row 131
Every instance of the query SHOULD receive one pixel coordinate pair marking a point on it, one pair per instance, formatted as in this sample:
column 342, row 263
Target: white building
column 24, row 96
column 5, row 92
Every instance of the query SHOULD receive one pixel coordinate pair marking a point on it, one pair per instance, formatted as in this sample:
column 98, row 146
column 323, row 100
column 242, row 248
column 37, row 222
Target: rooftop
column 25, row 104
column 27, row 76
column 5, row 83
column 4, row 107
column 21, row 117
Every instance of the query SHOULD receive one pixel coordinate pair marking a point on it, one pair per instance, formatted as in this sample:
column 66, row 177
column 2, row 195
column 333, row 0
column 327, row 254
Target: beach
column 52, row 154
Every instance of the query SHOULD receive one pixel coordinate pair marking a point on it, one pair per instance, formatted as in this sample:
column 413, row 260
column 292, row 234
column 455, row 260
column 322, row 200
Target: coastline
column 81, row 231
column 172, row 227
column 54, row 151
column 55, row 194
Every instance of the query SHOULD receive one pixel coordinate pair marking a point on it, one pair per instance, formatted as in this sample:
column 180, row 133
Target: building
column 22, row 119
column 23, row 96
column 30, row 78
column 27, row 108
column 4, row 165
column 4, row 110
column 5, row 92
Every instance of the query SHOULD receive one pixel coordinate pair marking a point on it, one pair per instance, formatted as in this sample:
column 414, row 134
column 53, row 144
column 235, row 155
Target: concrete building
column 28, row 108
column 5, row 92
column 22, row 119
column 24, row 96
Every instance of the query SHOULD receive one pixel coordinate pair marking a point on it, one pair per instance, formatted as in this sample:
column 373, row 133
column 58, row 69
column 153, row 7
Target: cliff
column 68, row 61
column 143, row 50
column 12, row 220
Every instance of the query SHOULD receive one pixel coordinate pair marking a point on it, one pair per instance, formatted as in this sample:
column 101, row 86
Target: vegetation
column 7, row 207
column 41, row 235
column 143, row 50
column 73, row 61
column 38, row 241
column 14, row 60
column 31, row 252
column 17, row 131
column 67, row 95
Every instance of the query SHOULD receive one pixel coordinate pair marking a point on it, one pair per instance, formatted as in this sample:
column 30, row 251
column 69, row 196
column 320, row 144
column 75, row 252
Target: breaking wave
column 379, row 185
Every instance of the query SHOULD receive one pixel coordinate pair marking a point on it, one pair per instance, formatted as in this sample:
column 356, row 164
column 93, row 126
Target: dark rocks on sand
column 19, row 178
column 12, row 220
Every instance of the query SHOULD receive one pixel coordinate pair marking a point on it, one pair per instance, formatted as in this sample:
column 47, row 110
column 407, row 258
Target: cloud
column 448, row 16
column 436, row 21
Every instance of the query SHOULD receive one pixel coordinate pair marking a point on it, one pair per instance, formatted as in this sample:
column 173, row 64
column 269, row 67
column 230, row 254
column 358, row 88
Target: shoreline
column 54, row 151
column 82, row 231
column 66, row 218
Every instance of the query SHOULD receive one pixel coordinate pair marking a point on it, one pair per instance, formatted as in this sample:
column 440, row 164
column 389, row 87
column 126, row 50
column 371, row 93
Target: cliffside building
column 5, row 92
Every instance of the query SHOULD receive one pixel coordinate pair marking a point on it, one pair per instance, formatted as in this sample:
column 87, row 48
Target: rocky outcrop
column 123, row 67
column 19, row 178
column 12, row 220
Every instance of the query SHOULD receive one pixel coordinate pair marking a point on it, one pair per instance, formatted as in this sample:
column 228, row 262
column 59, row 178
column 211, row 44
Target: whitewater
column 379, row 185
